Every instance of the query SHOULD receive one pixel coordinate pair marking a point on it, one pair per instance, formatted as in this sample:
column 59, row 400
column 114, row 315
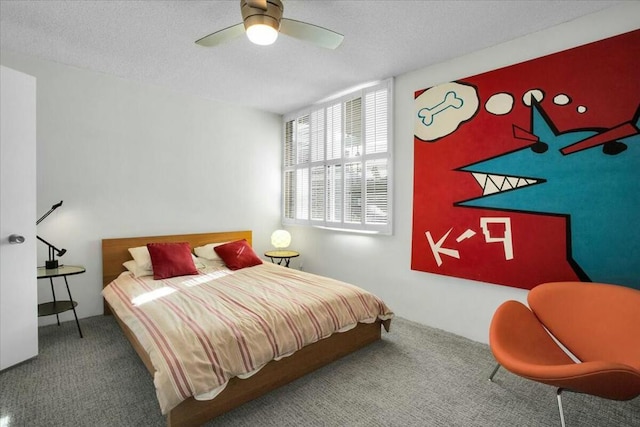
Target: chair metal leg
column 494, row 372
column 558, row 394
column 560, row 407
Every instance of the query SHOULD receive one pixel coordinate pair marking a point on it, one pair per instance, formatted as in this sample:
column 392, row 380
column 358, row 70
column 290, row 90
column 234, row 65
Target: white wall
column 382, row 263
column 134, row 160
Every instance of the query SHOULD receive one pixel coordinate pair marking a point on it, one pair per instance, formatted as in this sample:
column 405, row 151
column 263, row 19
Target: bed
column 236, row 390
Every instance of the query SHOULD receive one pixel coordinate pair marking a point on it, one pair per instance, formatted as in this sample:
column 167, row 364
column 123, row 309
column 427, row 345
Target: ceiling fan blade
column 222, row 36
column 311, row 33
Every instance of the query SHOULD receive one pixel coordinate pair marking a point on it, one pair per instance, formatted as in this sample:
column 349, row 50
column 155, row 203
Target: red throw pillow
column 237, row 255
column 171, row 259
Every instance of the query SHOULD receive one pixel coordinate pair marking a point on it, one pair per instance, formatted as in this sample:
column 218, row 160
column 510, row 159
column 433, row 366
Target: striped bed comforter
column 200, row 331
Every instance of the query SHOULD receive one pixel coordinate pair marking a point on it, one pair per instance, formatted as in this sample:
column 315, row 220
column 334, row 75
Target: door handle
column 16, row 239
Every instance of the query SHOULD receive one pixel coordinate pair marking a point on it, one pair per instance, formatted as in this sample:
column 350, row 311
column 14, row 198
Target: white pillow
column 207, row 251
column 204, row 263
column 199, row 262
column 133, row 267
column 141, row 257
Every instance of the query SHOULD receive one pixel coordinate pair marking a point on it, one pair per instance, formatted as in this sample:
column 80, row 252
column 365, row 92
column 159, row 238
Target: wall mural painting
column 531, row 173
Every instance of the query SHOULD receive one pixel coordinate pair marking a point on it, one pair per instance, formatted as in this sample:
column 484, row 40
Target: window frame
column 295, row 213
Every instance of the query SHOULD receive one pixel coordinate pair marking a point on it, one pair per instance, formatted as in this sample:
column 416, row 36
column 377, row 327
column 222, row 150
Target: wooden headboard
column 115, row 251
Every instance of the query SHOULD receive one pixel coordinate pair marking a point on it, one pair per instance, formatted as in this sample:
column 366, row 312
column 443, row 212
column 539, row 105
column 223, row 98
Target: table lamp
column 52, row 262
column 280, row 239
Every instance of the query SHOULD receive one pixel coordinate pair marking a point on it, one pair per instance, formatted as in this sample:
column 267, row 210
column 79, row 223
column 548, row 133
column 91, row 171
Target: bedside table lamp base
column 51, row 265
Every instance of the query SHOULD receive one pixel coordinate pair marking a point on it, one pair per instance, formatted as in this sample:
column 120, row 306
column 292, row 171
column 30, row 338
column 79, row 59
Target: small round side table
column 281, row 256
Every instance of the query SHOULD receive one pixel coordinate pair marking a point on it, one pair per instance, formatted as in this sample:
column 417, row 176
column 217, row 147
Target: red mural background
column 604, row 75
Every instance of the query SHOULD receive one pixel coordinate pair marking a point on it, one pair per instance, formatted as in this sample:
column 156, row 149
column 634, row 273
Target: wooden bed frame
column 193, row 412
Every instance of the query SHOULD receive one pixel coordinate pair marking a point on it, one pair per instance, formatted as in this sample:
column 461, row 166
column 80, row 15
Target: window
column 337, row 162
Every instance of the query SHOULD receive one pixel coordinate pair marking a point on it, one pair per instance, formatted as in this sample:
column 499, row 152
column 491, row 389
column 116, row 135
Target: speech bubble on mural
column 440, row 110
column 499, row 104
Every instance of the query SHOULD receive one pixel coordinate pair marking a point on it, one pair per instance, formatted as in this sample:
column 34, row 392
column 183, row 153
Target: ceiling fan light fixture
column 262, row 21
column 262, row 34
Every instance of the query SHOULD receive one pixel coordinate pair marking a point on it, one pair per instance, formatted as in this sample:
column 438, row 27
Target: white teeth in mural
column 496, row 183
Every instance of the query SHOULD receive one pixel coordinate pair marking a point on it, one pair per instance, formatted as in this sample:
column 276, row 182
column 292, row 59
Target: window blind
column 337, row 162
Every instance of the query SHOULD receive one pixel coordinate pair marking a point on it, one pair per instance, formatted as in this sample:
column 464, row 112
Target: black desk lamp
column 52, row 262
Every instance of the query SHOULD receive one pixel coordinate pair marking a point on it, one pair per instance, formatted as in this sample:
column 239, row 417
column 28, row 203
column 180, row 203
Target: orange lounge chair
column 598, row 323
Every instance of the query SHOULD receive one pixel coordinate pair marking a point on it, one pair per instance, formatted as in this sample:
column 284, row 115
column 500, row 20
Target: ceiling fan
column 262, row 20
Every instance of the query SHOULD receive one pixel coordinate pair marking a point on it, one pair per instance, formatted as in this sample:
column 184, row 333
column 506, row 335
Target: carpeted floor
column 416, row 376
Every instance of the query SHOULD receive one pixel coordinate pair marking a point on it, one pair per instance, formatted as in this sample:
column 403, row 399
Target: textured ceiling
column 153, row 42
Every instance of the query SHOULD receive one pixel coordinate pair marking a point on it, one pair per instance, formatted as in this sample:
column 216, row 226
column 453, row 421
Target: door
column 18, row 256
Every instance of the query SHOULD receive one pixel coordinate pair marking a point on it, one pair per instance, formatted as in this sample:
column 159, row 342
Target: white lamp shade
column 262, row 34
column 280, row 239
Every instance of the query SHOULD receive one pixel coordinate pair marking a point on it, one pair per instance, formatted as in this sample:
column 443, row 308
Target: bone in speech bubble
column 457, row 102
column 450, row 100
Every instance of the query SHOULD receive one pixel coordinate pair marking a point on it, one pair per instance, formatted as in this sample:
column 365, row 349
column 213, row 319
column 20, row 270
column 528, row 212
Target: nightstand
column 56, row 307
column 281, row 256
